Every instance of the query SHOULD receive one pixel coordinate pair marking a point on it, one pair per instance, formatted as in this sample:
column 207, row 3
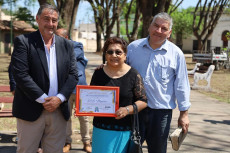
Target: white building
column 86, row 34
column 88, row 31
column 217, row 39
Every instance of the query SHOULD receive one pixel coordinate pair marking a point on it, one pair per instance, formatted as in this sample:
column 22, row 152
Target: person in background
column 163, row 68
column 81, row 63
column 113, row 134
column 44, row 70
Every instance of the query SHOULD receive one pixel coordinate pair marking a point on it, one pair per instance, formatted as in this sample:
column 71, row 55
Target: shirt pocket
column 165, row 73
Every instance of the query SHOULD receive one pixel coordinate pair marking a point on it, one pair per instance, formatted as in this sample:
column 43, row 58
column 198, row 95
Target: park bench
column 203, row 76
column 194, row 69
column 199, row 67
column 5, row 112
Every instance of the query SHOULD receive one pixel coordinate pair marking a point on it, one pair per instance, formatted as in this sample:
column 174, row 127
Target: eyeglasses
column 117, row 52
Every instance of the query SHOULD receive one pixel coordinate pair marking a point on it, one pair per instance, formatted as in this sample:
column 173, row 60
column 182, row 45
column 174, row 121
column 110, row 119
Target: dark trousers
column 154, row 128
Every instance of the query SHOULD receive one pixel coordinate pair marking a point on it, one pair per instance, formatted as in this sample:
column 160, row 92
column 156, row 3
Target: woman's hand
column 121, row 113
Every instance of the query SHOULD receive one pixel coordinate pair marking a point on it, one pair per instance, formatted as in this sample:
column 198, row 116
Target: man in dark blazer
column 44, row 69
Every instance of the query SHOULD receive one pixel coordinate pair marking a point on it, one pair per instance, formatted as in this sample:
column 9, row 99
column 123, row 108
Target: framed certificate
column 97, row 100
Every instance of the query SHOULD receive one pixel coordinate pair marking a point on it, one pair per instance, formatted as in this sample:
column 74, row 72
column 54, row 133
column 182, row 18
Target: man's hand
column 183, row 121
column 100, row 67
column 51, row 103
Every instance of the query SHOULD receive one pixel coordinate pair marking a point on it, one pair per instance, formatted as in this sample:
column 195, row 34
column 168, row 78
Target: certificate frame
column 81, row 102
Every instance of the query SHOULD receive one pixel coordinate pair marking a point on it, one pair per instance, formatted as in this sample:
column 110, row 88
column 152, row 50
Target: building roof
column 3, row 16
column 17, row 26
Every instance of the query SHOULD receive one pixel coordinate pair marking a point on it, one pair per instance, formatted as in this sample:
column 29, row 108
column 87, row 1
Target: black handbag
column 135, row 139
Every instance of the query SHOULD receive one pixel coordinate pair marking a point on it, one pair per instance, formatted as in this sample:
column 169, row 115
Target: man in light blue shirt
column 163, row 68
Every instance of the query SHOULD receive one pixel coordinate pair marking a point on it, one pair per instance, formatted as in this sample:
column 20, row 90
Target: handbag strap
column 135, row 118
column 135, row 126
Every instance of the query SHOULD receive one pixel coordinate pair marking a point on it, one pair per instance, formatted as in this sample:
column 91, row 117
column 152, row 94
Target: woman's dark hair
column 114, row 40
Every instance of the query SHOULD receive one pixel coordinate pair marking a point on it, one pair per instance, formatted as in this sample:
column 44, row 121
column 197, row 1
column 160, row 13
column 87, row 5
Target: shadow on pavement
column 212, row 149
column 8, row 138
column 221, row 144
column 218, row 122
column 8, row 142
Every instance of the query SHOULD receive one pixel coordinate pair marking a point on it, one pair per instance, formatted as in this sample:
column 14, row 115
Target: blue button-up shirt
column 164, row 73
column 52, row 67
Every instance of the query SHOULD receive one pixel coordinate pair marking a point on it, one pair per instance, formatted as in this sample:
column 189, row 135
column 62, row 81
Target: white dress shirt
column 52, row 67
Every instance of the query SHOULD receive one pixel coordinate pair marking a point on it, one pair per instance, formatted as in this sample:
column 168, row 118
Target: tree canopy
column 205, row 19
column 25, row 15
column 182, row 25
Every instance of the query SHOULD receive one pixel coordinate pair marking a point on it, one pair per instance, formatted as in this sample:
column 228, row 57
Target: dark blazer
column 30, row 70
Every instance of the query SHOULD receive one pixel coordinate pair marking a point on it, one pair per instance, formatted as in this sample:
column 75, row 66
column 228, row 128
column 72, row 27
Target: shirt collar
column 44, row 41
column 164, row 46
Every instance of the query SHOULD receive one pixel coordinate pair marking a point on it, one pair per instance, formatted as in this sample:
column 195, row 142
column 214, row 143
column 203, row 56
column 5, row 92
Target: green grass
column 220, row 85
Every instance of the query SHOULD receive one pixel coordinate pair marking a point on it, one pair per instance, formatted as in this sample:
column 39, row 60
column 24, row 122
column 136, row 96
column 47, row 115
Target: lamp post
column 11, row 28
column 0, row 29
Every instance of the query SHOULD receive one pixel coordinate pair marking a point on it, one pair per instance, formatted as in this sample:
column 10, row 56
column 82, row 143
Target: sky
column 85, row 13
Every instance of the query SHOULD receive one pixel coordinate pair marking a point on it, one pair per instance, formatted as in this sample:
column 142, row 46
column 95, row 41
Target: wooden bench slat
column 4, row 88
column 6, row 111
column 7, row 114
column 6, row 99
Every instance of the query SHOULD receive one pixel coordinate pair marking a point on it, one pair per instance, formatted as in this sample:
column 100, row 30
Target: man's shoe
column 67, row 147
column 87, row 147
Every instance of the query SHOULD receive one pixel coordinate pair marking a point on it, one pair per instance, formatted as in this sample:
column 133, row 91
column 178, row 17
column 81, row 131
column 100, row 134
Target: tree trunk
column 133, row 36
column 136, row 22
column 110, row 21
column 99, row 22
column 200, row 45
column 99, row 31
column 149, row 8
column 68, row 11
column 73, row 17
column 179, row 40
column 118, row 26
column 106, row 14
column 146, row 10
column 46, row 1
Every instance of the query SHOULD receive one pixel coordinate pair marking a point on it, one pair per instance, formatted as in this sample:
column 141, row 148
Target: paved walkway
column 209, row 130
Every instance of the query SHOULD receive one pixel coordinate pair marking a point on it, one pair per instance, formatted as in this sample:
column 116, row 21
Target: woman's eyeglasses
column 117, row 52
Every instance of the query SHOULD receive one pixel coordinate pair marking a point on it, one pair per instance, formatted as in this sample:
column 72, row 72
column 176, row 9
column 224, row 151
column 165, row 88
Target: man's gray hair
column 165, row 16
column 47, row 6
